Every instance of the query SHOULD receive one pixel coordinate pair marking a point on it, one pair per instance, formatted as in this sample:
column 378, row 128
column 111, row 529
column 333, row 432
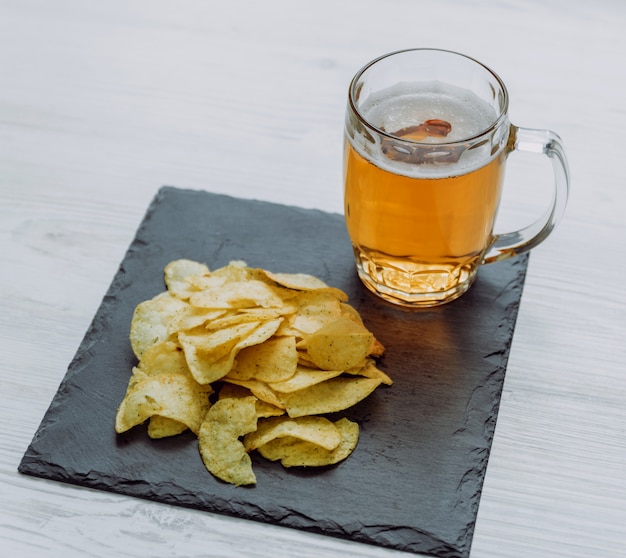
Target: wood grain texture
column 102, row 103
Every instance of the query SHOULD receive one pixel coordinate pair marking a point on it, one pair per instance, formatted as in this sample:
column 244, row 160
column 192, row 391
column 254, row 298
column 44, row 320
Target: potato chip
column 164, row 358
column 314, row 309
column 339, row 345
column 204, row 369
column 137, row 376
column 350, row 312
column 230, row 319
column 377, row 349
column 191, row 317
column 199, row 283
column 330, row 396
column 177, row 274
column 293, row 452
column 304, row 282
column 371, row 371
column 213, row 363
column 222, row 452
column 163, row 427
column 216, row 344
column 172, row 396
column 297, row 281
column 304, row 360
column 263, row 409
column 304, row 378
column 236, row 270
column 316, row 430
column 261, row 334
column 228, row 390
column 259, row 389
column 237, row 294
column 274, row 360
column 203, row 348
column 151, row 319
column 267, row 313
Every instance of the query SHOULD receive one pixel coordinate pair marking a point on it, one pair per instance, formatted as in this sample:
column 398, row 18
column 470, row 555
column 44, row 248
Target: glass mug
column 427, row 136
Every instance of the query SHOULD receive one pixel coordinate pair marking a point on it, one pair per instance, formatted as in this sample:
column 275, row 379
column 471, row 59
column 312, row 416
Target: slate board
column 415, row 479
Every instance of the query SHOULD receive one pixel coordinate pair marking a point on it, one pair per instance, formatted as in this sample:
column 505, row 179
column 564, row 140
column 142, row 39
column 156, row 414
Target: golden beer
column 420, row 201
column 419, row 235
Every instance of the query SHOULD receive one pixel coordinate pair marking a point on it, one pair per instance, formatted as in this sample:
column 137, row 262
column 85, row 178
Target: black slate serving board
column 415, row 479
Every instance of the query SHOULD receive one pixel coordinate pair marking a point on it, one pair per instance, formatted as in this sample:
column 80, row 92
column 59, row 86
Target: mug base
column 424, row 287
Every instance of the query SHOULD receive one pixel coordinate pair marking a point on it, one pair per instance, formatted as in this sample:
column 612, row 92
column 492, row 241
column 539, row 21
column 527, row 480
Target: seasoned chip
column 191, row 317
column 293, row 452
column 377, row 349
column 222, row 452
column 263, row 408
column 216, row 344
column 203, row 349
column 172, row 396
column 371, row 371
column 177, row 274
column 259, row 389
column 151, row 319
column 317, row 430
column 304, row 360
column 350, row 312
column 233, row 390
column 314, row 309
column 230, row 319
column 238, row 294
column 297, row 281
column 210, row 362
column 304, row 282
column 164, row 358
column 330, row 396
column 199, row 283
column 304, row 378
column 236, row 270
column 339, row 345
column 163, row 427
column 274, row 360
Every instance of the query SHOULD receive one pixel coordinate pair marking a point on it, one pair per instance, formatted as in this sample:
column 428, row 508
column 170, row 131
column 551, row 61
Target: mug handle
column 547, row 143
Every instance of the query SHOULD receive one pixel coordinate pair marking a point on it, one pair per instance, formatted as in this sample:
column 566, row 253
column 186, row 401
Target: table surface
column 101, row 103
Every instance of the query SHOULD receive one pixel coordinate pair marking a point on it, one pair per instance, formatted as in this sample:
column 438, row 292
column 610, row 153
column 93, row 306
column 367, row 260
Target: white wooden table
column 101, row 103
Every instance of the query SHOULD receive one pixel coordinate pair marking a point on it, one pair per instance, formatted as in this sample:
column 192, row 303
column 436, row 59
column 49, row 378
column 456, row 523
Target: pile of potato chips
column 250, row 360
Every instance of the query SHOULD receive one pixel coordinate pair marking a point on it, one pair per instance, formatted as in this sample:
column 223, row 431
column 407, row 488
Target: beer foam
column 411, row 104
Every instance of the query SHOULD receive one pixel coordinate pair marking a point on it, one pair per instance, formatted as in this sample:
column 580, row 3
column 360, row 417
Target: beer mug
column 427, row 136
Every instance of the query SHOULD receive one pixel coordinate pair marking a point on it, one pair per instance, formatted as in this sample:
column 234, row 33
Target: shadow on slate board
column 415, row 479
